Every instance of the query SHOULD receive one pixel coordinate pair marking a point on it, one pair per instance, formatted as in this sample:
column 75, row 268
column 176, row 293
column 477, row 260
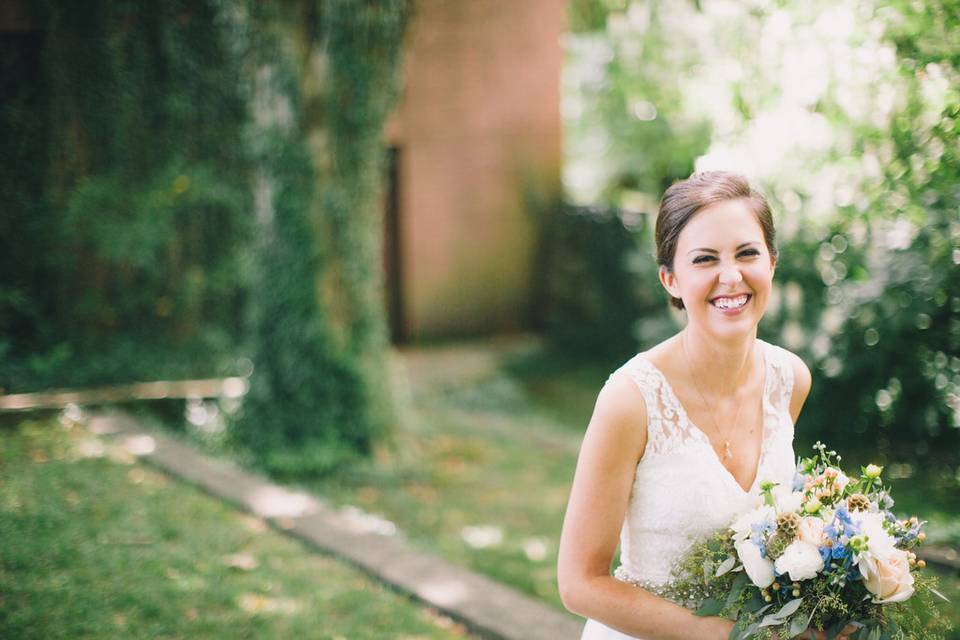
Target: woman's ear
column 669, row 281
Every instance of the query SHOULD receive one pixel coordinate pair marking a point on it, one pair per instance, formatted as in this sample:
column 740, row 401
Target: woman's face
column 722, row 270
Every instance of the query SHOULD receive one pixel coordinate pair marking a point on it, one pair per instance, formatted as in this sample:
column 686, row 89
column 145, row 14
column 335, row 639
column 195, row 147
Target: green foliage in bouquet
column 707, row 584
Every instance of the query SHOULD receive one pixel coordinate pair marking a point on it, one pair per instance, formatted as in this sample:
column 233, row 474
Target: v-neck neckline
column 705, row 439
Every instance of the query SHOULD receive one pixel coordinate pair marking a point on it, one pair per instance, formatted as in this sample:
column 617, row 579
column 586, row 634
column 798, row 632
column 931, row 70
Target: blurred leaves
column 128, row 214
column 846, row 115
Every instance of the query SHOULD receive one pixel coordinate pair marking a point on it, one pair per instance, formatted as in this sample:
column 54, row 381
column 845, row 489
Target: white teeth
column 731, row 303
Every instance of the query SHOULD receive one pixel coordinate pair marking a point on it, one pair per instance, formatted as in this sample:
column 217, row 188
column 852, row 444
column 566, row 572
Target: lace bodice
column 681, row 491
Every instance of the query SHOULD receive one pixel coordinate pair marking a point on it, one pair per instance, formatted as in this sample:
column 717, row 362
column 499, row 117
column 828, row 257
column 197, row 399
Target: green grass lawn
column 477, row 470
column 96, row 545
column 477, row 476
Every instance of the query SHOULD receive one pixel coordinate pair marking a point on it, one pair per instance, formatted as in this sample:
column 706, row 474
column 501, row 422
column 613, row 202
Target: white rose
column 743, row 526
column 787, row 500
column 758, row 568
column 878, row 540
column 801, row 560
column 887, row 575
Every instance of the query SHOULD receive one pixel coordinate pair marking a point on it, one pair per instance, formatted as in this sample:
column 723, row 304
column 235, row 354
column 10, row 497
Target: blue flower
column 839, row 551
column 825, row 555
column 831, row 532
column 849, row 526
column 761, row 531
column 799, row 481
column 843, row 515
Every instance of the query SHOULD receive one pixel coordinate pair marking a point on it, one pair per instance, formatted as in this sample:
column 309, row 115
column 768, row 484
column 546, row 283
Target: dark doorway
column 393, row 250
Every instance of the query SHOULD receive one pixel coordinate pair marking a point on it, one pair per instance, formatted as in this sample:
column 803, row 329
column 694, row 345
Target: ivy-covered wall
column 323, row 81
column 196, row 183
column 125, row 196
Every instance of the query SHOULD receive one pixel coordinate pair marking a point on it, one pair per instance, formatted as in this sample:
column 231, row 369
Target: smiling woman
column 683, row 434
column 704, row 190
column 724, row 267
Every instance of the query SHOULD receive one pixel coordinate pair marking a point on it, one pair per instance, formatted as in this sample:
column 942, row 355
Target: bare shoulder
column 620, row 414
column 802, row 381
column 621, row 397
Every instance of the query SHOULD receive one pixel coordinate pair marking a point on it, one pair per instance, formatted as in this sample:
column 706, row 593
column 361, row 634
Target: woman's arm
column 614, row 442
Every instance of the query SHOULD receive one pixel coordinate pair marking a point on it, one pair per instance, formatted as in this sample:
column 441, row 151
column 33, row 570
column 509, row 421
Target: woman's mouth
column 731, row 305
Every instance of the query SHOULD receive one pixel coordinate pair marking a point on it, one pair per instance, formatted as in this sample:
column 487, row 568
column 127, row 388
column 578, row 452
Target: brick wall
column 477, row 125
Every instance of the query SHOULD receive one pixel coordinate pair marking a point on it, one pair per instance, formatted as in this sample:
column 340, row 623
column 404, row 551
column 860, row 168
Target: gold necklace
column 727, row 449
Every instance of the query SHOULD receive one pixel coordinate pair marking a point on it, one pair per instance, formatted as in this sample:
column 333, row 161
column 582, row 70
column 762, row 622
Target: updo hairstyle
column 685, row 198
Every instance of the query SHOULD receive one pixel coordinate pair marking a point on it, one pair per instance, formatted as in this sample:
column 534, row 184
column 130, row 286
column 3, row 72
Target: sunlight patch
column 536, row 549
column 444, row 592
column 257, row 604
column 482, row 537
column 362, row 522
column 140, row 445
column 90, row 448
column 241, row 561
column 275, row 502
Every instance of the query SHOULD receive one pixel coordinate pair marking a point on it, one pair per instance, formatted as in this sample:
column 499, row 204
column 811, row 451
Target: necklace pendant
column 727, row 451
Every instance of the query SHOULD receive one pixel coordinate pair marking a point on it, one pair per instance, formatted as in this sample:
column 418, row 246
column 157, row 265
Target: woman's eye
column 745, row 253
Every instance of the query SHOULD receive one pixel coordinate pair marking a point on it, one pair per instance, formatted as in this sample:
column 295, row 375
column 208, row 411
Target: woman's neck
column 719, row 365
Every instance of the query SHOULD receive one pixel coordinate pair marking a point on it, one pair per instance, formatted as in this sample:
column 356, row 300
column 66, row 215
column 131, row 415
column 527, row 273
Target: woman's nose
column 731, row 275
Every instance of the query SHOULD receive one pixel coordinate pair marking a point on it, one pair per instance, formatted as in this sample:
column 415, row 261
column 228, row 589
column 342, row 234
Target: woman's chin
column 726, row 326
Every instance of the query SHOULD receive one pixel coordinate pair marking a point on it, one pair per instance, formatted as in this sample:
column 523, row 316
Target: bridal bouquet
column 821, row 554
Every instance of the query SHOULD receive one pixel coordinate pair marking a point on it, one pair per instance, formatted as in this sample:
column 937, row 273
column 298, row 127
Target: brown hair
column 685, row 198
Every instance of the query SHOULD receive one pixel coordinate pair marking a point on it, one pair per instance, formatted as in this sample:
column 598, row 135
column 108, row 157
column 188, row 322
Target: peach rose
column 811, row 530
column 887, row 575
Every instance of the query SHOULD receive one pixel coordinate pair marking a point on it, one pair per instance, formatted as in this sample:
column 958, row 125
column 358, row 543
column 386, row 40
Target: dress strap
column 780, row 372
column 664, row 414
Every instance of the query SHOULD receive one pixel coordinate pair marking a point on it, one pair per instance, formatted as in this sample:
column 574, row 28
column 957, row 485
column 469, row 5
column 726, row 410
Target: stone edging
column 487, row 607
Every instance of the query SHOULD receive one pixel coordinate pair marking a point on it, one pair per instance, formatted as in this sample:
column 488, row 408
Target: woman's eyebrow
column 745, row 244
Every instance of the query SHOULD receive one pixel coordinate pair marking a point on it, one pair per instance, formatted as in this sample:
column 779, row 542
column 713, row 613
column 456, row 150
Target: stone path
column 488, row 608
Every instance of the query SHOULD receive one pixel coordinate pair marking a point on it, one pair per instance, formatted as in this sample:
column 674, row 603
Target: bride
column 683, row 433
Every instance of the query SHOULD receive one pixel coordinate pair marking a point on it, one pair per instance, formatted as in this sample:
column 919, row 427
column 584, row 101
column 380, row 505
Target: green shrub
column 126, row 216
column 859, row 160
column 600, row 302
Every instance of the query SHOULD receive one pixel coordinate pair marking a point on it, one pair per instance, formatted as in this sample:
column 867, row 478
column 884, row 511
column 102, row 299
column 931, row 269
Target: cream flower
column 811, row 531
column 873, row 471
column 871, row 525
column 787, row 500
column 801, row 560
column 758, row 568
column 742, row 526
column 887, row 575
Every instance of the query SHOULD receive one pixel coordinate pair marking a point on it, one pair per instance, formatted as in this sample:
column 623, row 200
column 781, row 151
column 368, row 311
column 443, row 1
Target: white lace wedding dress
column 682, row 492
